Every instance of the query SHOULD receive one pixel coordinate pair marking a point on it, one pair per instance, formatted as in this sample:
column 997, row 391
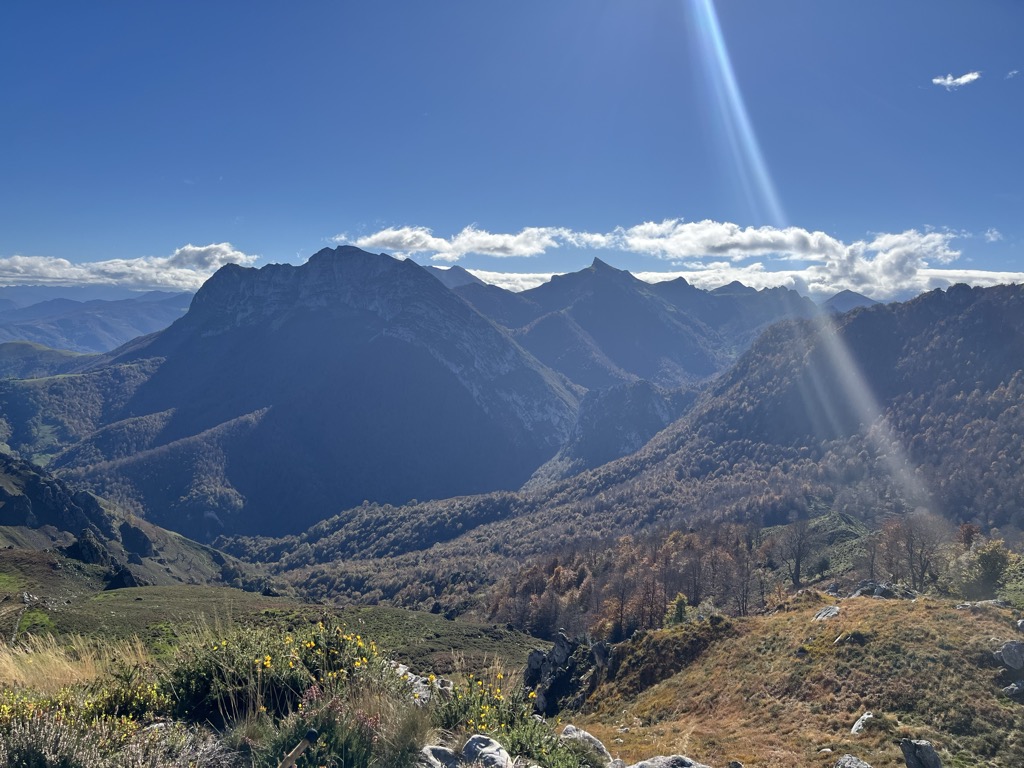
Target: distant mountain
column 24, row 295
column 455, row 276
column 96, row 325
column 288, row 393
column 601, row 326
column 844, row 301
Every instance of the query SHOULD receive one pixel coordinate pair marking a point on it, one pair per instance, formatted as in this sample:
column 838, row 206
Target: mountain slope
column 288, row 393
column 92, row 326
column 602, row 327
column 894, row 407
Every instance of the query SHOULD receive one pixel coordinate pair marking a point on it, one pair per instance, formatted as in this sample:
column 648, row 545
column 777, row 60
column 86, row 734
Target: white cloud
column 713, row 253
column 531, row 241
column 185, row 269
column 993, row 235
column 951, row 83
column 1012, row 73
column 676, row 239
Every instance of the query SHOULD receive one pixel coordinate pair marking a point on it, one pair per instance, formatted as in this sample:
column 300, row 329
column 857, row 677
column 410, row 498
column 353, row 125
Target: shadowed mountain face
column 288, row 393
column 602, row 327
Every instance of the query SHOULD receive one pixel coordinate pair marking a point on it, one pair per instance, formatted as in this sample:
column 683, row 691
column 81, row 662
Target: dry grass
column 778, row 689
column 46, row 665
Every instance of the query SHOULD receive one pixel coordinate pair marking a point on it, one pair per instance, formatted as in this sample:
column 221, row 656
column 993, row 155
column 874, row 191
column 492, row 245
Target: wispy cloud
column 185, row 269
column 993, row 235
column 951, row 83
column 1012, row 73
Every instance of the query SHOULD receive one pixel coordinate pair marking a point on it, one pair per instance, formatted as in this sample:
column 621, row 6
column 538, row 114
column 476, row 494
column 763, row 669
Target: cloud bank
column 951, row 83
column 184, row 270
column 712, row 253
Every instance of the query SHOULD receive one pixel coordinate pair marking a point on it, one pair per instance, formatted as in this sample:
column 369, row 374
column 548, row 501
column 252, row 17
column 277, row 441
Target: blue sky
column 868, row 145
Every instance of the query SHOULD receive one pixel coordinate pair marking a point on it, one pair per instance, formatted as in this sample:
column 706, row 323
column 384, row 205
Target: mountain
column 290, row 392
column 871, row 415
column 25, row 360
column 844, row 301
column 613, row 423
column 454, row 277
column 96, row 325
column 41, row 516
column 601, row 326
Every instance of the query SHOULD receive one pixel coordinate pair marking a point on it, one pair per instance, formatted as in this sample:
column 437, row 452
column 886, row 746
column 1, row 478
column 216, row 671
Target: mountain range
column 93, row 325
column 882, row 411
column 288, row 393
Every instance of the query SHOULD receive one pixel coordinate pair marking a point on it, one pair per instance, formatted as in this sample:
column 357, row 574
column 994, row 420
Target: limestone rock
column 578, row 734
column 918, row 753
column 849, row 761
column 861, row 723
column 438, row 757
column 828, row 612
column 1012, row 654
column 564, row 676
column 671, row 761
column 486, row 751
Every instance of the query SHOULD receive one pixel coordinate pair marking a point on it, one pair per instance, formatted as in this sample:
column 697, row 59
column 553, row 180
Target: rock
column 565, row 676
column 486, row 751
column 1012, row 654
column 883, row 589
column 571, row 732
column 734, row 764
column 828, row 612
column 1020, row 625
column 1014, row 689
column 439, row 757
column 861, row 723
column 849, row 761
column 672, row 761
column 919, row 754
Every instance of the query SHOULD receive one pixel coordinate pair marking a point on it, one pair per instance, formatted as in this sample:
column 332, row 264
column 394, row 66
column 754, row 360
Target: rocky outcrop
column 484, row 752
column 1011, row 654
column 883, row 589
column 566, row 675
column 828, row 612
column 918, row 753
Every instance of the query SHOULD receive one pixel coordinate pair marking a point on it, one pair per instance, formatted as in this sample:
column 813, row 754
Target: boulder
column 487, row 752
column 849, row 761
column 828, row 612
column 1012, row 654
column 671, row 761
column 861, row 723
column 918, row 753
column 439, row 757
column 571, row 732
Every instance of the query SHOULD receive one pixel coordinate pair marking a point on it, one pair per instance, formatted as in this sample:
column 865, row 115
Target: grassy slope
column 924, row 669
